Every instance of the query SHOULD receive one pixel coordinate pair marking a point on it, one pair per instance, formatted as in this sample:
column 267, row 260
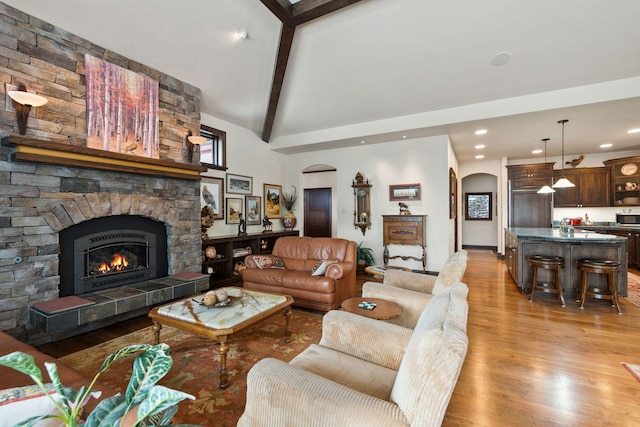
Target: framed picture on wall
column 404, row 192
column 234, row 210
column 453, row 194
column 478, row 206
column 238, row 184
column 272, row 200
column 252, row 209
column 212, row 195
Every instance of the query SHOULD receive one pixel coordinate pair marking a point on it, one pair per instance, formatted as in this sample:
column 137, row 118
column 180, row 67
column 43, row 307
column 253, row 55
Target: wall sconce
column 192, row 141
column 23, row 101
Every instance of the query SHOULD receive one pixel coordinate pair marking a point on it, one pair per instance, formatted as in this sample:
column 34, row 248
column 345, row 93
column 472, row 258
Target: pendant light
column 563, row 182
column 546, row 189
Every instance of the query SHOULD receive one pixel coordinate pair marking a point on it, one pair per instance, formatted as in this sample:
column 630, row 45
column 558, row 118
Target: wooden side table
column 384, row 309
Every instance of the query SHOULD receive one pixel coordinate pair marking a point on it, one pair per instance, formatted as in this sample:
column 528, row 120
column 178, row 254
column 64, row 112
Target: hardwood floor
column 528, row 364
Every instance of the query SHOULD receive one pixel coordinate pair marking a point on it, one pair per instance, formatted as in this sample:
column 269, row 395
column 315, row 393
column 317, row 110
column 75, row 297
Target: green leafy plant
column 365, row 254
column 150, row 401
column 289, row 199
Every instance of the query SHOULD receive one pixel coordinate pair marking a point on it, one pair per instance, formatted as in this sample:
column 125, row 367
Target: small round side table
column 384, row 310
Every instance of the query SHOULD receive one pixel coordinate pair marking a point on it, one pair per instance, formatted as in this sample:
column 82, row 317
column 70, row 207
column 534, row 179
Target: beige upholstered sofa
column 366, row 372
column 414, row 290
column 289, row 270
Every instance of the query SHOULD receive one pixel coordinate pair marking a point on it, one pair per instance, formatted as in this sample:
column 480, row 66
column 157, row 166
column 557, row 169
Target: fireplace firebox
column 111, row 252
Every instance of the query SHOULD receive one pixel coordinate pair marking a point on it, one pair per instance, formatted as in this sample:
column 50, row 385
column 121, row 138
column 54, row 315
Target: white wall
column 480, row 233
column 248, row 155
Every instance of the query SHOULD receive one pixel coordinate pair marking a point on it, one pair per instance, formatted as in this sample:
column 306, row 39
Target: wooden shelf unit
column 221, row 269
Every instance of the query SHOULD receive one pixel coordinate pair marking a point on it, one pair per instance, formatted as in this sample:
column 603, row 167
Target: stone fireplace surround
column 40, row 200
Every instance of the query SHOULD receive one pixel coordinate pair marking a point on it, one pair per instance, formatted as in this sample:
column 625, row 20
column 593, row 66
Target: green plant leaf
column 160, row 398
column 33, row 420
column 22, row 362
column 108, row 412
column 124, row 352
column 148, row 369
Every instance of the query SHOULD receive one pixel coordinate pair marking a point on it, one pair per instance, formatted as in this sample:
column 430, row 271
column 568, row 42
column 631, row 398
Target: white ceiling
column 379, row 70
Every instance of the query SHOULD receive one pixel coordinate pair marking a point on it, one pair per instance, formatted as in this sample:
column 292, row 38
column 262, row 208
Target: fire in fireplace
column 109, row 252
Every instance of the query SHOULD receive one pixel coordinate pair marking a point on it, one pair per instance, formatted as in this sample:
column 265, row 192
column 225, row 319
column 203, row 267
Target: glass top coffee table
column 246, row 309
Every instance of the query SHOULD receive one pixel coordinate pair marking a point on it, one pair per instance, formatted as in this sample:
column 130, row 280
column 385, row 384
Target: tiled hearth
column 110, row 304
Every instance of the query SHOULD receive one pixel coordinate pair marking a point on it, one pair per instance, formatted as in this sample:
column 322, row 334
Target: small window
column 213, row 153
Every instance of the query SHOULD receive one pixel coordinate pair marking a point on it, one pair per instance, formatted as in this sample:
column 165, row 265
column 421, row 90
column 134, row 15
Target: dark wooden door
column 317, row 212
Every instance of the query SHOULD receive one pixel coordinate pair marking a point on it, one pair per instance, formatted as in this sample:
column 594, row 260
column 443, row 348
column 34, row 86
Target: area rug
column 633, row 289
column 634, row 370
column 195, row 367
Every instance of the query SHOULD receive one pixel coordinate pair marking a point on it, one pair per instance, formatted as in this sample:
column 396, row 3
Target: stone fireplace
column 59, row 221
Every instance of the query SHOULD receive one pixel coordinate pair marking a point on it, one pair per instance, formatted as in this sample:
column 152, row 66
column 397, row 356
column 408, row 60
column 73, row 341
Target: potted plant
column 143, row 397
column 364, row 257
column 289, row 200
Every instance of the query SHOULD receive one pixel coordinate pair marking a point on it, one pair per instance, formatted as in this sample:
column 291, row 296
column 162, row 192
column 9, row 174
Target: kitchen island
column 521, row 242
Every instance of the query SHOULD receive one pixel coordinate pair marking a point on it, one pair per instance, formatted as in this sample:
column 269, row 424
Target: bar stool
column 548, row 262
column 600, row 266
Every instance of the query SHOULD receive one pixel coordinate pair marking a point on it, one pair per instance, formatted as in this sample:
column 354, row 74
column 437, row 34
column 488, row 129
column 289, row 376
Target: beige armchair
column 412, row 291
column 352, row 378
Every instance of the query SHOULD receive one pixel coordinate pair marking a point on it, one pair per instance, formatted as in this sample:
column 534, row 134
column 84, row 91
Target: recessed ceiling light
column 479, row 146
column 501, row 58
column 361, row 142
column 242, row 35
column 607, row 145
column 481, row 132
column 538, row 151
column 634, row 130
column 480, row 156
column 404, row 136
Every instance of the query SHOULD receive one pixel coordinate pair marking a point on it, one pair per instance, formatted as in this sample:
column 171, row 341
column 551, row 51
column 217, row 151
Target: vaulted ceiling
column 384, row 70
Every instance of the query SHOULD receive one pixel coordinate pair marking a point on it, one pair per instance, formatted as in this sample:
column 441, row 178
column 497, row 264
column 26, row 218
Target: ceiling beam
column 292, row 16
column 308, row 10
column 284, row 48
column 282, row 9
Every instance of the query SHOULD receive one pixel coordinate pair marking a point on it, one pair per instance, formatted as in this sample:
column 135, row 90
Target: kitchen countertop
column 554, row 235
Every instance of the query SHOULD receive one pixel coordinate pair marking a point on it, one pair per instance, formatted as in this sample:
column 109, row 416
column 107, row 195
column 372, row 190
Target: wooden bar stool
column 599, row 266
column 548, row 262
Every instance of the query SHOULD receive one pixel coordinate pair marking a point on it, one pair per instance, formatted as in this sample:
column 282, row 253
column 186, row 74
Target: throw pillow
column 320, row 268
column 20, row 403
column 263, row 261
column 276, row 262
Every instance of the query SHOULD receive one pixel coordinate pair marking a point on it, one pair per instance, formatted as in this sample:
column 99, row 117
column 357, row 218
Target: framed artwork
column 122, row 109
column 404, row 192
column 478, row 206
column 272, row 200
column 453, row 194
column 238, row 184
column 252, row 210
column 234, row 210
column 211, row 194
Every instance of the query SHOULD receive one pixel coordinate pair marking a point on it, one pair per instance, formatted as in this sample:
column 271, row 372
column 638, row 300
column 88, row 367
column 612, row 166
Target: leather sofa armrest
column 338, row 270
column 377, row 342
column 271, row 402
column 412, row 302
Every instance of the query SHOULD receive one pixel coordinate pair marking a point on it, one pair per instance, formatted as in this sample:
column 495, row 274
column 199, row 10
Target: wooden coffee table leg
column 287, row 332
column 156, row 332
column 223, row 349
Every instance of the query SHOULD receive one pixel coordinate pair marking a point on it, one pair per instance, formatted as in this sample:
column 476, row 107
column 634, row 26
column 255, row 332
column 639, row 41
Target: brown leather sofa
column 300, row 255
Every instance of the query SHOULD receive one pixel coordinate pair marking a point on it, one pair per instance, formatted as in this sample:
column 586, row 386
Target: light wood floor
column 529, row 364
column 538, row 364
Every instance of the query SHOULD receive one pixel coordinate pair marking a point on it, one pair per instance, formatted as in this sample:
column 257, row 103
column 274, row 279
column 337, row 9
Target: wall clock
column 629, row 169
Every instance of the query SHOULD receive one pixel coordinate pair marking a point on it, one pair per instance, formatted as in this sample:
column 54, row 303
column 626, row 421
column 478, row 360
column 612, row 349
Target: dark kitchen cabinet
column 528, row 208
column 625, row 181
column 592, row 188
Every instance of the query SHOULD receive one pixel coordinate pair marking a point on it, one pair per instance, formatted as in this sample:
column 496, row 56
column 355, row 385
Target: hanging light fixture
column 563, row 182
column 546, row 189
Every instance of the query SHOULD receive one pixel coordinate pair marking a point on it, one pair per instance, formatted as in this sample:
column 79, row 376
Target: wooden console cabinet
column 405, row 230
column 232, row 249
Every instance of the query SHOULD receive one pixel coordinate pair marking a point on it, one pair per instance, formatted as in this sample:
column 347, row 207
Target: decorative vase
column 289, row 221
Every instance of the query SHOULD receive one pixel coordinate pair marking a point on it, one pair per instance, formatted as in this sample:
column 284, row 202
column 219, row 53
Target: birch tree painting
column 122, row 110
